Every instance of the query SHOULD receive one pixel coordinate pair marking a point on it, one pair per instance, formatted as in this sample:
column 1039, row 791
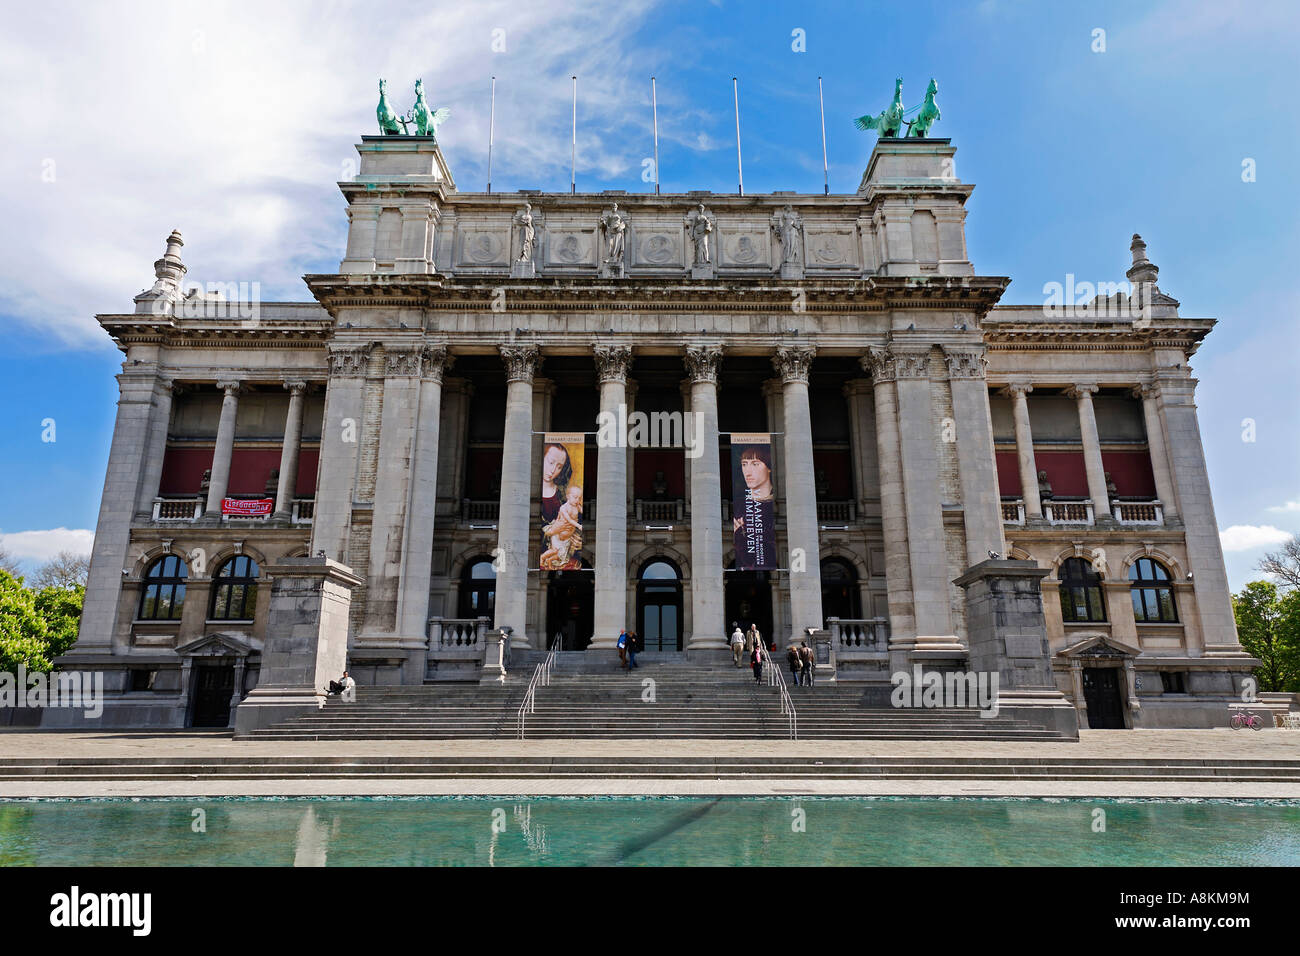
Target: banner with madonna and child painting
column 562, row 460
column 753, row 501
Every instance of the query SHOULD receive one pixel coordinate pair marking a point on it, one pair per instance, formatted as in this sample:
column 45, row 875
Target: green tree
column 36, row 626
column 1269, row 627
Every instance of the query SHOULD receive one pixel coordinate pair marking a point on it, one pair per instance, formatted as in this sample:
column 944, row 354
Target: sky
column 232, row 122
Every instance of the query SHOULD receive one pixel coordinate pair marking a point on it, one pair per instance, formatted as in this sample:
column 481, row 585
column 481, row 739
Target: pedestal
column 702, row 271
column 1007, row 635
column 306, row 640
column 524, row 269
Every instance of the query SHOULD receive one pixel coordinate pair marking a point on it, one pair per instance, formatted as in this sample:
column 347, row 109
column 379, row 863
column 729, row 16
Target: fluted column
column 976, row 462
column 1158, row 452
column 1025, row 449
column 612, row 363
column 514, row 543
column 1082, row 394
column 793, row 365
column 707, row 602
column 220, row 479
column 159, row 423
column 289, row 453
column 879, row 363
column 417, row 561
column 340, row 443
column 918, row 435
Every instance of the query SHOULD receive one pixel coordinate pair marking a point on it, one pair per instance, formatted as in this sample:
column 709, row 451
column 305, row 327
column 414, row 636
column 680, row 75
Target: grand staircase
column 665, row 698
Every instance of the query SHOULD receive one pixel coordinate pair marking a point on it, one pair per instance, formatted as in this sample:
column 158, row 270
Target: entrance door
column 1101, row 691
column 659, row 607
column 749, row 601
column 213, row 688
column 571, row 610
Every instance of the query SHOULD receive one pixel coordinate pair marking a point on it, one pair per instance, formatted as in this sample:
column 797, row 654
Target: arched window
column 234, row 590
column 164, row 590
column 1081, row 599
column 1153, row 594
column 478, row 589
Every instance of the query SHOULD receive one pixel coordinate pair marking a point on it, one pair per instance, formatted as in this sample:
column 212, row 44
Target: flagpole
column 573, row 144
column 826, row 176
column 654, row 105
column 740, row 170
column 492, row 121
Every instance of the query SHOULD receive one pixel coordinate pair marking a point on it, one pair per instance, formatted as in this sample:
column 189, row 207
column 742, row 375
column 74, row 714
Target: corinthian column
column 289, row 452
column 513, row 541
column 707, row 606
column 792, row 364
column 220, row 479
column 612, row 363
column 1025, row 449
column 1082, row 394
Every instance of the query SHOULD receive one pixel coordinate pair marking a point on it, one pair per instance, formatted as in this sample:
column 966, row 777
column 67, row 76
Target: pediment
column 1099, row 646
column 220, row 644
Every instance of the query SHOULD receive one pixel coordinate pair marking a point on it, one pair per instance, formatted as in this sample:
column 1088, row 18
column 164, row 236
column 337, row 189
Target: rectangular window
column 142, row 680
column 1173, row 682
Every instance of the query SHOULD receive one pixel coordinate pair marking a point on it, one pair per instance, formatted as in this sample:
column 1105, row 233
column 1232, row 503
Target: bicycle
column 1243, row 719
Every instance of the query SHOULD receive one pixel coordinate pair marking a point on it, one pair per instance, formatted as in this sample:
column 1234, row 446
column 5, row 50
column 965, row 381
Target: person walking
column 809, row 665
column 756, row 658
column 633, row 645
column 737, row 643
column 622, row 649
column 795, row 657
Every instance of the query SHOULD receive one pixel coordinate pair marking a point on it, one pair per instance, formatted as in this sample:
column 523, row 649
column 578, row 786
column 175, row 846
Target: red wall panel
column 839, row 474
column 646, row 461
column 1008, row 474
column 308, row 462
column 1065, row 472
column 183, row 470
column 249, row 469
column 1131, row 472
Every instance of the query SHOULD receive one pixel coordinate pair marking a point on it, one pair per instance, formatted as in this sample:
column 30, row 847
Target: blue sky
column 232, row 122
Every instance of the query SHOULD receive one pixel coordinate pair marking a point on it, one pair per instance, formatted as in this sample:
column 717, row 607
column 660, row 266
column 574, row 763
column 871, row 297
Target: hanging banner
column 246, row 507
column 562, row 459
column 753, row 501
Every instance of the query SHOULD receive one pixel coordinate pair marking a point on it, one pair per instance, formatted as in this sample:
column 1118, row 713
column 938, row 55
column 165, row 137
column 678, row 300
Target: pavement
column 1118, row 745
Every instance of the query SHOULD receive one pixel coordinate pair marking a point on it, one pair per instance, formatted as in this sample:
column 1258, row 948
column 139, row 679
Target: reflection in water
column 658, row 831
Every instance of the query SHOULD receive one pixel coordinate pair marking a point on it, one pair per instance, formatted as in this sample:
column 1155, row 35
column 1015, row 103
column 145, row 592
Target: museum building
column 425, row 438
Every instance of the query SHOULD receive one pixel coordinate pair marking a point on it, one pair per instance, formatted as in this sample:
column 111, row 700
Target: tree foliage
column 1284, row 564
column 67, row 569
column 1268, row 624
column 36, row 625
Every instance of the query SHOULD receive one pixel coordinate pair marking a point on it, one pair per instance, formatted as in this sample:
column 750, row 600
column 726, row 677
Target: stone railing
column 479, row 510
column 177, row 509
column 457, row 633
column 1138, row 512
column 1013, row 512
column 858, row 636
column 304, row 509
column 1067, row 512
column 658, row 509
column 842, row 511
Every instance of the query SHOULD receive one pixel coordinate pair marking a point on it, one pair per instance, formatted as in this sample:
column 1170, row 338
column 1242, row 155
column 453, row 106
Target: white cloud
column 1289, row 508
column 1249, row 537
column 37, row 547
column 232, row 123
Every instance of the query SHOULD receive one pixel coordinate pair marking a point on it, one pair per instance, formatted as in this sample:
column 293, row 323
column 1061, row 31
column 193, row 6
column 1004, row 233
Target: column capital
column 296, row 385
column 879, row 364
column 1082, row 391
column 521, row 361
column 911, row 363
column 965, row 363
column 793, row 362
column 702, row 362
column 349, row 362
column 612, row 362
column 357, row 211
column 1016, row 389
column 434, row 361
column 402, row 362
column 230, row 386
column 1145, row 390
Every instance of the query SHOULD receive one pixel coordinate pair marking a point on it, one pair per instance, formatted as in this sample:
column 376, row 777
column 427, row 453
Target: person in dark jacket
column 756, row 658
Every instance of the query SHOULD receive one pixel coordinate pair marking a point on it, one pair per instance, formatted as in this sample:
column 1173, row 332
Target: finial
column 1143, row 269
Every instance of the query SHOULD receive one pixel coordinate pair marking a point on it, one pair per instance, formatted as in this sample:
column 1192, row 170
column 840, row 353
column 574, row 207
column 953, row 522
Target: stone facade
column 404, row 408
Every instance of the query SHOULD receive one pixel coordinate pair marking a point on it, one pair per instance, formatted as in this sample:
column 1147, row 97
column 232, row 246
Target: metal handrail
column 541, row 678
column 777, row 679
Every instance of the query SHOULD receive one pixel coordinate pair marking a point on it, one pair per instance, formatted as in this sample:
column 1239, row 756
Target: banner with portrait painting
column 753, row 501
column 562, row 497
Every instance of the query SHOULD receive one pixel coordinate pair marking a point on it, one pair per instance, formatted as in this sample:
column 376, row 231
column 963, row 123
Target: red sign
column 246, row 507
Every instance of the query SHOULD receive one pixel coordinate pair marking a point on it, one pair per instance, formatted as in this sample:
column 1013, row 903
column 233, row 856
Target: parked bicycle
column 1244, row 719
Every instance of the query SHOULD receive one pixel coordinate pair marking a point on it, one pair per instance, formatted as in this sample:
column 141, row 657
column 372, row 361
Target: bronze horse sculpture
column 890, row 122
